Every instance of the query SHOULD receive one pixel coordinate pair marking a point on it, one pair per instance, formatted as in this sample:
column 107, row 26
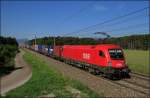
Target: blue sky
column 22, row 19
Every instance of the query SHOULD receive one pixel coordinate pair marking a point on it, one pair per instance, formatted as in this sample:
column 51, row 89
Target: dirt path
column 97, row 84
column 18, row 77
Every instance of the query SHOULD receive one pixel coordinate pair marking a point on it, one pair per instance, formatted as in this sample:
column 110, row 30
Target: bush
column 8, row 51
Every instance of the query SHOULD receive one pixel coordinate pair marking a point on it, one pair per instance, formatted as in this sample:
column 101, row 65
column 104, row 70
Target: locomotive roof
column 106, row 46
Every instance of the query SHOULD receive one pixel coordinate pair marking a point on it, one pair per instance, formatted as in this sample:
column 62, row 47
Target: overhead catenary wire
column 129, row 27
column 124, row 28
column 77, row 13
column 115, row 24
column 110, row 20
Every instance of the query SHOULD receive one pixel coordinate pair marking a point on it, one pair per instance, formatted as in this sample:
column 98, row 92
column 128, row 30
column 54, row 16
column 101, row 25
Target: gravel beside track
column 95, row 83
column 16, row 78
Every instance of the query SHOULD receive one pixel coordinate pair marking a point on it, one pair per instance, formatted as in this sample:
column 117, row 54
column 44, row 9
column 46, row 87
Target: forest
column 138, row 42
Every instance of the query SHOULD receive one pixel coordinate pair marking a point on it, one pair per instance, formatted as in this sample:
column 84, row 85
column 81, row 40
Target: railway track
column 140, row 80
column 133, row 87
column 138, row 75
column 137, row 82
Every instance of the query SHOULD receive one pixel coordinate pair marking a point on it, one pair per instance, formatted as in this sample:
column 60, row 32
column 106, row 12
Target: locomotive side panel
column 80, row 53
column 101, row 58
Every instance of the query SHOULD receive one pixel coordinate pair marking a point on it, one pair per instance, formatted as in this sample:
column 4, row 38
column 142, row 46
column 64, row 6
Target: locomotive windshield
column 116, row 54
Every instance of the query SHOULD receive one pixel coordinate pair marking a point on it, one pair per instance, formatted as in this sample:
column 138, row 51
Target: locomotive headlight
column 109, row 63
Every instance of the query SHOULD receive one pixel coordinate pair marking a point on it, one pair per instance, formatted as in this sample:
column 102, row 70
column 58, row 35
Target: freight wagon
column 50, row 50
column 45, row 49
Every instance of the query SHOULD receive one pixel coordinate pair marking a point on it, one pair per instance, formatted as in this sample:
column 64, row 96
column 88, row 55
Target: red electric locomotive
column 106, row 58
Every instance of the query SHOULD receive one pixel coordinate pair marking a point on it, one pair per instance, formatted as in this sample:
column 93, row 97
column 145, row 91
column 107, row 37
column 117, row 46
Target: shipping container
column 50, row 50
column 57, row 51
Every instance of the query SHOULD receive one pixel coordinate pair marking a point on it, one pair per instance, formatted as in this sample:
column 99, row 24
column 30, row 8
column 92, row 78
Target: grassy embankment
column 138, row 60
column 46, row 80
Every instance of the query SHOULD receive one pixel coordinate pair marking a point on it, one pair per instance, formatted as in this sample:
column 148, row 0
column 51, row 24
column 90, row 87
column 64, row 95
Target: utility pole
column 35, row 40
column 54, row 41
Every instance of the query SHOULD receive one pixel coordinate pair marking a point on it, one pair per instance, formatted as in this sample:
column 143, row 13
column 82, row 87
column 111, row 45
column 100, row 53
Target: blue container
column 50, row 50
column 40, row 48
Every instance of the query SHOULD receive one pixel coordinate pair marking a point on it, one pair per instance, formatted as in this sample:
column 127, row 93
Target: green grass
column 46, row 80
column 138, row 60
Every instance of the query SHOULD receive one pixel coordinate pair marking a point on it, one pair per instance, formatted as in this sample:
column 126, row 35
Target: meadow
column 138, row 60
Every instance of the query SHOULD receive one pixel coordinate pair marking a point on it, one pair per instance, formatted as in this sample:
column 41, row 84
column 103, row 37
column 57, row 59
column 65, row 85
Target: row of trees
column 63, row 41
column 140, row 42
column 128, row 42
column 8, row 50
column 8, row 41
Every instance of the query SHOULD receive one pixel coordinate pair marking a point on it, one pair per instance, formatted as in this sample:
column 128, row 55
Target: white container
column 36, row 48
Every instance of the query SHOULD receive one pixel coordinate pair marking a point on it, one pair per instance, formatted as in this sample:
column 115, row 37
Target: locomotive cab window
column 101, row 53
column 116, row 54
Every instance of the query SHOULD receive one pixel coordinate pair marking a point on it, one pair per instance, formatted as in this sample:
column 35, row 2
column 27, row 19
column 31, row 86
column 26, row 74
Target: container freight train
column 107, row 59
column 43, row 49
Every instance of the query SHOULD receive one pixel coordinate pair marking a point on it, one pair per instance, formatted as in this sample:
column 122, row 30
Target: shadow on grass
column 7, row 70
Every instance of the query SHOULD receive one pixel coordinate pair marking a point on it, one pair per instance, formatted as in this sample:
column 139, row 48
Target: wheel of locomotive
column 86, row 68
column 126, row 75
column 83, row 67
column 92, row 70
column 97, row 72
column 66, row 61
